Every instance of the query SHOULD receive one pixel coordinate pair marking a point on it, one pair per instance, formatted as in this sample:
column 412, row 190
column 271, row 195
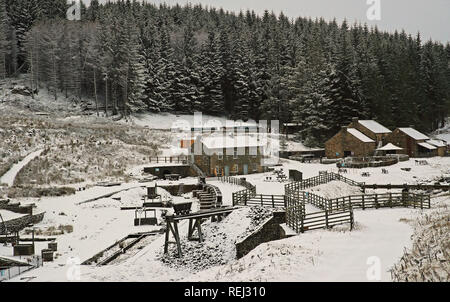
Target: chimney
column 411, row 126
column 344, row 128
column 355, row 119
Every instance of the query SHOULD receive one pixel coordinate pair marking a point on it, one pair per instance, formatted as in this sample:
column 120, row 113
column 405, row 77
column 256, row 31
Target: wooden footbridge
column 195, row 221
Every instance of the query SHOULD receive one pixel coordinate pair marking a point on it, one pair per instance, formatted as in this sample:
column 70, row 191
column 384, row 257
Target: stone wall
column 184, row 171
column 269, row 231
column 16, row 225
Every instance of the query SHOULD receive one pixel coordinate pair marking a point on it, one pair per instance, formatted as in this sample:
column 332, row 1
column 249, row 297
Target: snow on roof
column 360, row 136
column 374, row 126
column 436, row 143
column 414, row 133
column 428, row 146
column 220, row 142
column 389, row 147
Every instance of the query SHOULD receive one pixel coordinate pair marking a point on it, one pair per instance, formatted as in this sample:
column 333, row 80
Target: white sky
column 430, row 17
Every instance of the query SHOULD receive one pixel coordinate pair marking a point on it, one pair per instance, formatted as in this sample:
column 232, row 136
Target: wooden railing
column 169, row 159
column 273, row 201
column 241, row 197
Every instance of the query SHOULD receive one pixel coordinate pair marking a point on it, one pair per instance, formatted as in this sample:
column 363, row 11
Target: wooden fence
column 369, row 201
column 385, row 200
column 322, row 178
column 235, row 181
column 320, row 220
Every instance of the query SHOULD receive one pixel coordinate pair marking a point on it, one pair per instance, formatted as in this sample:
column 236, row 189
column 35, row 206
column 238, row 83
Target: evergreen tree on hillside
column 211, row 76
column 5, row 47
column 241, row 65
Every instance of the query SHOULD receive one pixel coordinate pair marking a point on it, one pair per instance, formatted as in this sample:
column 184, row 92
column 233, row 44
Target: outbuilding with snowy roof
column 349, row 142
column 370, row 128
column 413, row 142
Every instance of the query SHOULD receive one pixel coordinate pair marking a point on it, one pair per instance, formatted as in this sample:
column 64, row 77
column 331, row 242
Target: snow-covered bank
column 324, row 255
column 9, row 177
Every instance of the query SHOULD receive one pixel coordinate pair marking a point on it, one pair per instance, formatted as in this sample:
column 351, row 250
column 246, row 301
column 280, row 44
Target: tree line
column 130, row 57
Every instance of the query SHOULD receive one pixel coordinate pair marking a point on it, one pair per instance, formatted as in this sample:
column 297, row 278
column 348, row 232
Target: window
column 255, row 167
column 235, row 153
column 236, row 168
column 220, row 155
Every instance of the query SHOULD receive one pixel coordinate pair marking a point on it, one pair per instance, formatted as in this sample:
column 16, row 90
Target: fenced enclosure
column 299, row 221
column 369, row 201
column 322, row 178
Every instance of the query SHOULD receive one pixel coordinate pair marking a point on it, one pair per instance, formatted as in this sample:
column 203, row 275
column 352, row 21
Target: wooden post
column 376, row 201
column 273, row 202
column 177, row 239
column 351, row 219
column 421, row 202
column 262, row 203
column 199, row 229
column 326, row 218
column 166, row 242
column 363, row 205
column 190, row 230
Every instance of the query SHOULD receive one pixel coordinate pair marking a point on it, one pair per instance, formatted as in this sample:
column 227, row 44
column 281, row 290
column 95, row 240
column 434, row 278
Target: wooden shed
column 440, row 145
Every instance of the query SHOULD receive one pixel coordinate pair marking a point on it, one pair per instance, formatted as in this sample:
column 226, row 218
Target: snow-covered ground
column 8, row 215
column 338, row 255
column 323, row 255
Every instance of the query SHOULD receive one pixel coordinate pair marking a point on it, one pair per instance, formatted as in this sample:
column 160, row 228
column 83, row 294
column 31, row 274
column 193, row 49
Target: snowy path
column 8, row 177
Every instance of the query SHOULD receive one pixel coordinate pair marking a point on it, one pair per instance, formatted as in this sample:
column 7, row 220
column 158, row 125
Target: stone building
column 227, row 155
column 349, row 142
column 371, row 129
column 412, row 141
